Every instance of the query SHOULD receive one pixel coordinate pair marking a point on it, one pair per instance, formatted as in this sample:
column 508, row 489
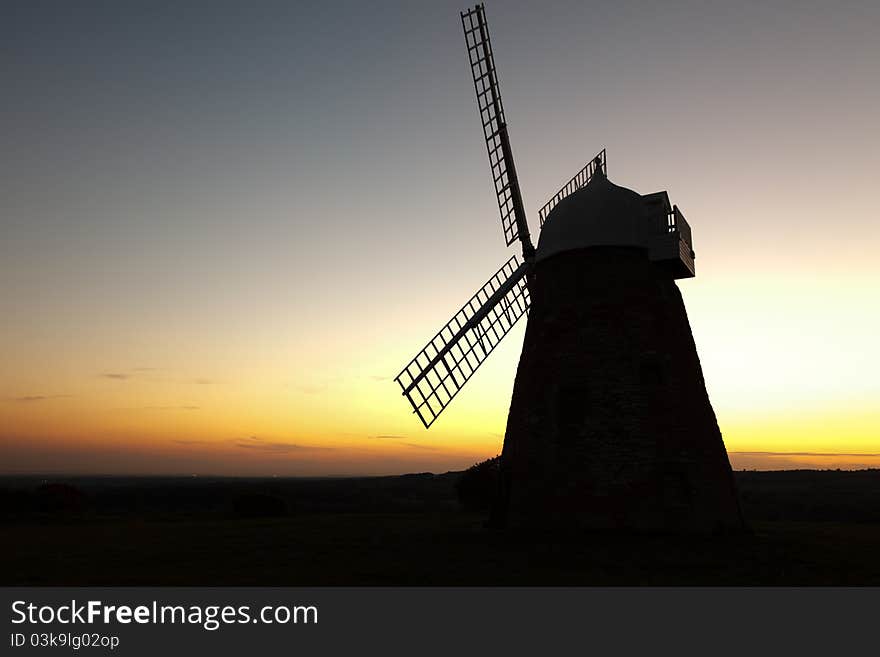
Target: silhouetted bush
column 477, row 486
column 259, row 505
column 59, row 498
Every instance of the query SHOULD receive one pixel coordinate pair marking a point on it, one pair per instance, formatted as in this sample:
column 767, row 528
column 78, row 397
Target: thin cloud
column 402, row 438
column 138, row 372
column 122, row 375
column 418, row 446
column 27, row 399
column 260, row 444
column 171, row 408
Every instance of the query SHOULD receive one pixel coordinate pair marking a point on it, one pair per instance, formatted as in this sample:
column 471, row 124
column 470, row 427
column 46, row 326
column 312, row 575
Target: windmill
column 610, row 425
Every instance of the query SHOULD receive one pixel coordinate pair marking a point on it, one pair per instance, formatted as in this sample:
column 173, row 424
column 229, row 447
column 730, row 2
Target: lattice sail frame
column 581, row 178
column 432, row 379
column 482, row 61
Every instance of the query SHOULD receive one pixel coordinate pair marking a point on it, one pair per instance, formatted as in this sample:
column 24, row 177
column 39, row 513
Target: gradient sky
column 226, row 227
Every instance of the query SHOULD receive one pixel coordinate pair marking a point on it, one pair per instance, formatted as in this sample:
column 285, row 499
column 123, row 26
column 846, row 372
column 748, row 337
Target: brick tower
column 610, row 425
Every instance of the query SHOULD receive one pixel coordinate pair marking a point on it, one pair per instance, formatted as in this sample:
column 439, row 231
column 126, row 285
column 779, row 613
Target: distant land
column 809, row 527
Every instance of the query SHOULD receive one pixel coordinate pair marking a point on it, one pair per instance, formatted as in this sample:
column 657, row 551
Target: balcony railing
column 675, row 222
column 581, row 178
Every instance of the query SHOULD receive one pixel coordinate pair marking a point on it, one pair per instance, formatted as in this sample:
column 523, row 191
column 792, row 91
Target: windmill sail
column 482, row 61
column 432, row 379
column 580, row 179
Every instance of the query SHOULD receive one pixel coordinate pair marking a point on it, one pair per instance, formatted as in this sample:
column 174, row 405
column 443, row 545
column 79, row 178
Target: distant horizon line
column 858, row 455
column 80, row 475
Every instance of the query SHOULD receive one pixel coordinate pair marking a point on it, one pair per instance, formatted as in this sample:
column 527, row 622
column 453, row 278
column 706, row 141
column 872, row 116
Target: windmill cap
column 598, row 214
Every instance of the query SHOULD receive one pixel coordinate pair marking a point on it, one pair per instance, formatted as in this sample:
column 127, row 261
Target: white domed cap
column 599, row 214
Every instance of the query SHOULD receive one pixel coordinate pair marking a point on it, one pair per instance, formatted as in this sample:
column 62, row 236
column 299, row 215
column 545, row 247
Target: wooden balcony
column 670, row 244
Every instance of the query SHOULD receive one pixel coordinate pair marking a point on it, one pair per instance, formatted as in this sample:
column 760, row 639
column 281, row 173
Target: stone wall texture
column 610, row 425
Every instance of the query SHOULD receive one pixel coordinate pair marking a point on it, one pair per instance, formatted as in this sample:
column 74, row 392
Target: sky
column 227, row 226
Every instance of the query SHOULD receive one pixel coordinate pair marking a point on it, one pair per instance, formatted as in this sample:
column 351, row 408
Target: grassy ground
column 795, row 541
column 432, row 549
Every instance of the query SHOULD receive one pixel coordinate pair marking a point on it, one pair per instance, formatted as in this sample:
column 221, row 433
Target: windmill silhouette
column 610, row 425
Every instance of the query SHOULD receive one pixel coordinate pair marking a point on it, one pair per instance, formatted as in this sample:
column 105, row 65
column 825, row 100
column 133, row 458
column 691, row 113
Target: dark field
column 809, row 528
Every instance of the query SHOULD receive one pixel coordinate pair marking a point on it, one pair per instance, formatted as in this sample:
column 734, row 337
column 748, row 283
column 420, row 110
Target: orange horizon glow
column 353, row 421
column 791, row 389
